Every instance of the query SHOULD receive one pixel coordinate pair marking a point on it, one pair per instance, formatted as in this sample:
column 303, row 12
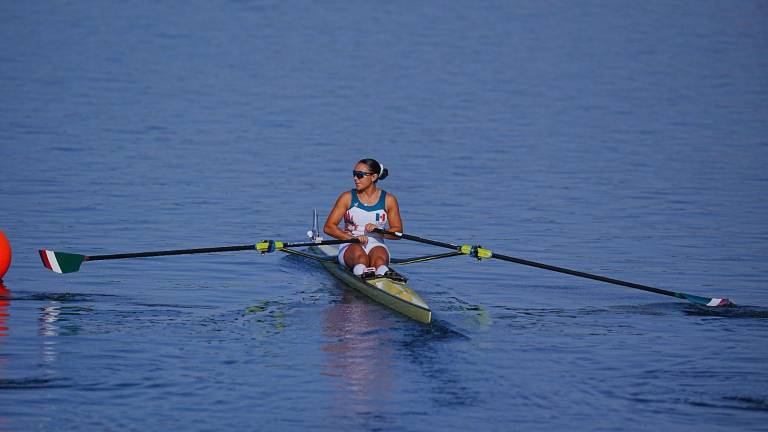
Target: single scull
column 393, row 293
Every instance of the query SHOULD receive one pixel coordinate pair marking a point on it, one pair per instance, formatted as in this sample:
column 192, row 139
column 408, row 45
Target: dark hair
column 375, row 167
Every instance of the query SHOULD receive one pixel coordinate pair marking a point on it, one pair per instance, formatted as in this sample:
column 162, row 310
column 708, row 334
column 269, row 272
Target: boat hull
column 393, row 294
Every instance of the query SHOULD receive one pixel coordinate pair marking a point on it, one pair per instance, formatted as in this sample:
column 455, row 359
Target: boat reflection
column 359, row 352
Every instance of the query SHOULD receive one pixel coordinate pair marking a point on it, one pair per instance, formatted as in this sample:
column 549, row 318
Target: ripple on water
column 33, row 383
column 59, row 297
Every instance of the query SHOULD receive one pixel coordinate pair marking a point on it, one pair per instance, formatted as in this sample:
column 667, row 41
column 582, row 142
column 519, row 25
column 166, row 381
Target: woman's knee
column 378, row 256
column 355, row 255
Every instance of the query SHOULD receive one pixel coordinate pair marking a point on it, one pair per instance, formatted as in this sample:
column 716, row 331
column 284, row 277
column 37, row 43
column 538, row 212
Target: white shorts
column 372, row 243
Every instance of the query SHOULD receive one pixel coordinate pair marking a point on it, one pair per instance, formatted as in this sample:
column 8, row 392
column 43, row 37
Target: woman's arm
column 393, row 214
column 331, row 226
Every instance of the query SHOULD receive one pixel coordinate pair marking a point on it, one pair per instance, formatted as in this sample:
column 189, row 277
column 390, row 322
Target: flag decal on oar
column 61, row 262
column 705, row 301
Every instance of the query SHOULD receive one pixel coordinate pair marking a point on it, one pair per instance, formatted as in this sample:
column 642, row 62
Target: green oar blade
column 61, row 262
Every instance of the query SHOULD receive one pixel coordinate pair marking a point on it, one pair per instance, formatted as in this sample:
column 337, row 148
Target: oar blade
column 706, row 301
column 61, row 262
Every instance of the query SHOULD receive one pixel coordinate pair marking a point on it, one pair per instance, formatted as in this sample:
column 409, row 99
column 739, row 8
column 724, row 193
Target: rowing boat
column 396, row 295
column 393, row 293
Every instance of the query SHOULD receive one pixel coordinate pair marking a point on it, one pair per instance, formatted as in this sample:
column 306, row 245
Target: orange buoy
column 5, row 254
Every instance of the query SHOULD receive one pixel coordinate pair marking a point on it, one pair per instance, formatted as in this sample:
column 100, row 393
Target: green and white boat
column 393, row 294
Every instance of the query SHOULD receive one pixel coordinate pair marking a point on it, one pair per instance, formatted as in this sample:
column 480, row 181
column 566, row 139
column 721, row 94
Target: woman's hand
column 369, row 227
column 363, row 240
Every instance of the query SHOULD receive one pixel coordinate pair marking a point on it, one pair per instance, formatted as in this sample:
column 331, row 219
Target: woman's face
column 366, row 179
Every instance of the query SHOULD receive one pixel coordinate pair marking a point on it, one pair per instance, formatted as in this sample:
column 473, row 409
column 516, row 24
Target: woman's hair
column 375, row 167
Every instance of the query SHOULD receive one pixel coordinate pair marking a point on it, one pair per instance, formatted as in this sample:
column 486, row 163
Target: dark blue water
column 622, row 138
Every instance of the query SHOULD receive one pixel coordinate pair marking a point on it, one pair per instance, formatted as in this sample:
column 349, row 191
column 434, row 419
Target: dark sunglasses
column 361, row 174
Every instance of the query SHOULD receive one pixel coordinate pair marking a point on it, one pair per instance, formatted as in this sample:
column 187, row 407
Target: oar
column 63, row 262
column 481, row 253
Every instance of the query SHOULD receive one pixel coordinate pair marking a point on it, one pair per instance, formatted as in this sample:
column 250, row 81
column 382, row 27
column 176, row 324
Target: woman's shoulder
column 344, row 197
column 391, row 199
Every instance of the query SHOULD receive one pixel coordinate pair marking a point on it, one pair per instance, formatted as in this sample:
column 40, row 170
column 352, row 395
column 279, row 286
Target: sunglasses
column 360, row 174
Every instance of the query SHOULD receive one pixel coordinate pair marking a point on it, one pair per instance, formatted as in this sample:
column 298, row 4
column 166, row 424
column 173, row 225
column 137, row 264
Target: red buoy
column 5, row 254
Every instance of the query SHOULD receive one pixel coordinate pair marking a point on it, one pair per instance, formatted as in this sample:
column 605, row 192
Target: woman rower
column 364, row 208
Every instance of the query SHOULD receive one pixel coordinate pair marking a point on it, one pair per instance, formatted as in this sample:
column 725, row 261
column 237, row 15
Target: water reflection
column 359, row 352
column 49, row 320
column 5, row 303
column 49, row 327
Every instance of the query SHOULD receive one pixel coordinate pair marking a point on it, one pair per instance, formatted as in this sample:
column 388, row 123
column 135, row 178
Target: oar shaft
column 170, row 252
column 585, row 275
column 417, row 239
column 537, row 264
column 206, row 250
column 63, row 262
column 476, row 252
column 324, row 242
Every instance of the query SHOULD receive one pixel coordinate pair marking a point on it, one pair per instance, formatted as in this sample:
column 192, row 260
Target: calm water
column 623, row 138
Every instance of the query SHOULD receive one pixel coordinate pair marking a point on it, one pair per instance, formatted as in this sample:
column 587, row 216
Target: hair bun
column 375, row 167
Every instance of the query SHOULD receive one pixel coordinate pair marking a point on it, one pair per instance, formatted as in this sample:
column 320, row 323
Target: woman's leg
column 378, row 256
column 354, row 255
